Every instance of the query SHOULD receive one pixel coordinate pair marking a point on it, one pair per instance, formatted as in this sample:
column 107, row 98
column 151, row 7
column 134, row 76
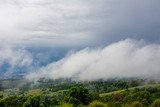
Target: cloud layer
column 84, row 22
column 49, row 28
column 14, row 62
column 126, row 58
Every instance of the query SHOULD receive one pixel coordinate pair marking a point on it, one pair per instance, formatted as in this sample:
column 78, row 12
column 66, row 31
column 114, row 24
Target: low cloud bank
column 126, row 58
column 14, row 61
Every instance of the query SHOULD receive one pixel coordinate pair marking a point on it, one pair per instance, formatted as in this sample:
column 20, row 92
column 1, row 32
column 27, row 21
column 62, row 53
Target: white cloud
column 43, row 21
column 126, row 58
column 84, row 22
column 14, row 58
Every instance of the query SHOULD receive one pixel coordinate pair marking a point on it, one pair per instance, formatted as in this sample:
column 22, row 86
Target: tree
column 32, row 101
column 2, row 102
column 78, row 95
column 13, row 101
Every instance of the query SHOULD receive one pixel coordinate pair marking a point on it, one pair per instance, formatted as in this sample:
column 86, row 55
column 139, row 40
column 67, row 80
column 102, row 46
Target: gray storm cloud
column 126, row 58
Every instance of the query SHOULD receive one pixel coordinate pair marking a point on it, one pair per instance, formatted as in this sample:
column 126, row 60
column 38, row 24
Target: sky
column 37, row 34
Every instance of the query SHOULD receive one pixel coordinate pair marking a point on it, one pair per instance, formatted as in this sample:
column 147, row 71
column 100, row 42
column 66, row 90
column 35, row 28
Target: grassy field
column 119, row 91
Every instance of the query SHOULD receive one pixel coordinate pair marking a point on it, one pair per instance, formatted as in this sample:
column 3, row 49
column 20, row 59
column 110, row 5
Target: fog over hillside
column 126, row 58
column 79, row 39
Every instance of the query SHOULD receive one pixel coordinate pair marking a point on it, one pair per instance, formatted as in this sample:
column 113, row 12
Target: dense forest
column 68, row 93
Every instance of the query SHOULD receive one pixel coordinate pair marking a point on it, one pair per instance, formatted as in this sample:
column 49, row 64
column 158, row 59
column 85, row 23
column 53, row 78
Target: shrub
column 137, row 104
column 156, row 103
column 97, row 104
column 152, row 90
column 94, row 96
column 134, row 104
column 114, row 104
column 117, row 97
column 66, row 105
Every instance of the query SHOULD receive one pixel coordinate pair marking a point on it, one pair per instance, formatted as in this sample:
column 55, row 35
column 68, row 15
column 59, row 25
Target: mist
column 14, row 61
column 124, row 59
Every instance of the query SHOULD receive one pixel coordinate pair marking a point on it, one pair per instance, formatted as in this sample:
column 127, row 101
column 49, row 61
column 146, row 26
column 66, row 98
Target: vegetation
column 97, row 104
column 109, row 93
column 156, row 103
column 78, row 95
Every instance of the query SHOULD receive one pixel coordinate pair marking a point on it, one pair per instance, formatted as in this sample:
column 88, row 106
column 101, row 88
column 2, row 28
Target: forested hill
column 67, row 93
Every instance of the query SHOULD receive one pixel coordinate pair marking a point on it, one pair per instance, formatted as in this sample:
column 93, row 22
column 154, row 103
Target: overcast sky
column 78, row 22
column 61, row 26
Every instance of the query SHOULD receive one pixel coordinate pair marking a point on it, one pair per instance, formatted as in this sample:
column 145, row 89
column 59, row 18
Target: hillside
column 109, row 93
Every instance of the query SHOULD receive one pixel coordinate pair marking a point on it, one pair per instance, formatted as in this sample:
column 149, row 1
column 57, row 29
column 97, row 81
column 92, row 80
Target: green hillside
column 101, row 93
column 131, row 89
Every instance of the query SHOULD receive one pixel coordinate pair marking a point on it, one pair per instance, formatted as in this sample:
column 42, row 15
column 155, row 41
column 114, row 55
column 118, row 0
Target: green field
column 119, row 91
